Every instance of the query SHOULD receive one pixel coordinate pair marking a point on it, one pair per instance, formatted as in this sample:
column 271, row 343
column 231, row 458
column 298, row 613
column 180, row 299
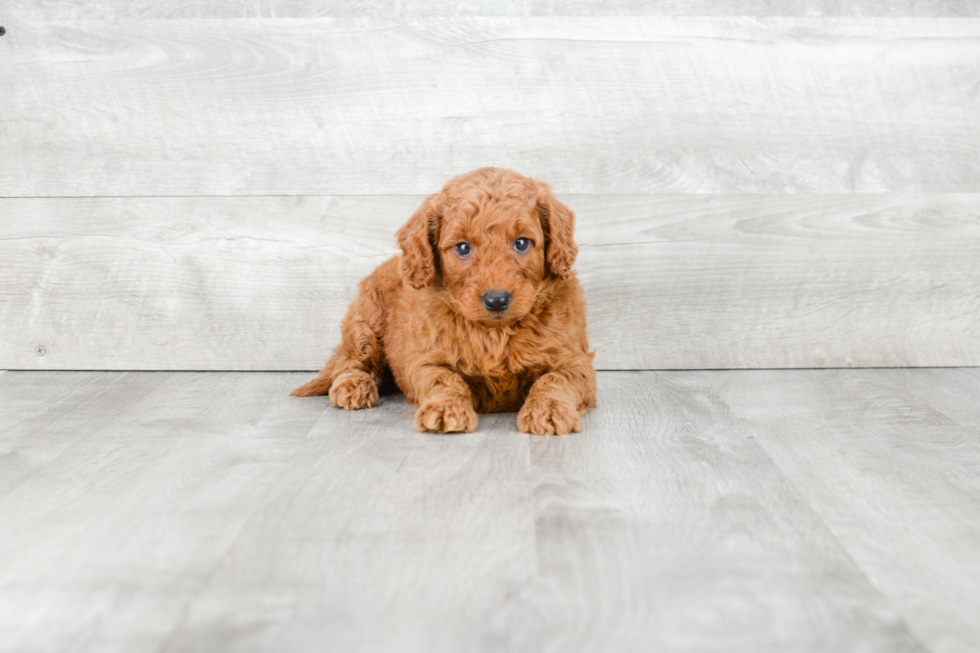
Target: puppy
column 480, row 313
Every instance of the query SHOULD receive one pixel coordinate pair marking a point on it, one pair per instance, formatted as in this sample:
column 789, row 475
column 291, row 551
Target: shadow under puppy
column 481, row 313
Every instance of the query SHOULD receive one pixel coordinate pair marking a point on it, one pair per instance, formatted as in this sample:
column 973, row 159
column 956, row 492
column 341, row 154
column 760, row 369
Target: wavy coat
column 424, row 314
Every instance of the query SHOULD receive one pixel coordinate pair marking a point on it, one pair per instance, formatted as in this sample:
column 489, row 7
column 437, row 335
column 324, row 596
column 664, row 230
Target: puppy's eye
column 463, row 249
column 522, row 245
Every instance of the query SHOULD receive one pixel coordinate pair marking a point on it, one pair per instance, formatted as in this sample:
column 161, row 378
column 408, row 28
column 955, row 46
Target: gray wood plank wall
column 200, row 187
column 113, row 9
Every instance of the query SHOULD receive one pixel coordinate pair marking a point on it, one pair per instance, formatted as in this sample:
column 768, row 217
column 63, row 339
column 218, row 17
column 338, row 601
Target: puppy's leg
column 557, row 400
column 352, row 375
column 445, row 401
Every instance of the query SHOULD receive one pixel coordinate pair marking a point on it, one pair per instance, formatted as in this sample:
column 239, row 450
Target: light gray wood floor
column 820, row 510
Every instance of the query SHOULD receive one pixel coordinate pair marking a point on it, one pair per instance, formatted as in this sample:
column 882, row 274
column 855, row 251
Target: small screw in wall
column 2, row 30
column 40, row 350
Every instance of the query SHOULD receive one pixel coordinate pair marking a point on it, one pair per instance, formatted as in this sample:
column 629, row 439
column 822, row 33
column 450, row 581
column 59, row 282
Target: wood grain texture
column 103, row 546
column 215, row 513
column 378, row 539
column 393, row 106
column 123, row 9
column 45, row 416
column 663, row 528
column 890, row 459
column 673, row 282
column 206, row 283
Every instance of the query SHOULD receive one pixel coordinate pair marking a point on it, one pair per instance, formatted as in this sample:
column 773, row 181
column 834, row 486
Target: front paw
column 446, row 415
column 548, row 416
column 354, row 390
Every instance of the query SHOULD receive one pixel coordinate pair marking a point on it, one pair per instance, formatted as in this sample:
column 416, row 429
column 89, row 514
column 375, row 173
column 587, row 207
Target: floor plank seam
column 74, row 447
column 206, row 581
column 912, row 635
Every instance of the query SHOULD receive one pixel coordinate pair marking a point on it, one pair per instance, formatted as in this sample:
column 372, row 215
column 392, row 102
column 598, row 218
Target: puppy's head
column 490, row 239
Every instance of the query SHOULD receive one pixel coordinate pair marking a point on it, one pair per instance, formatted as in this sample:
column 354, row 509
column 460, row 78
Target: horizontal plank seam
column 601, row 369
column 423, row 194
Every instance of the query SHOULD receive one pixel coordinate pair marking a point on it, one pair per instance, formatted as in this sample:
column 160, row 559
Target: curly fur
column 421, row 314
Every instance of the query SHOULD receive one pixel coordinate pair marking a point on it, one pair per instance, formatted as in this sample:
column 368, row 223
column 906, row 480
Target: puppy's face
column 492, row 258
column 488, row 241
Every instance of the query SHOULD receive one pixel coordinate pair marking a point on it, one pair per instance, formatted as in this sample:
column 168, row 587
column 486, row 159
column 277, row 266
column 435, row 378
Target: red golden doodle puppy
column 481, row 313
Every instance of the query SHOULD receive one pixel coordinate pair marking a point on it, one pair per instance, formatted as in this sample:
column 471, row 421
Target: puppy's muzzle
column 496, row 300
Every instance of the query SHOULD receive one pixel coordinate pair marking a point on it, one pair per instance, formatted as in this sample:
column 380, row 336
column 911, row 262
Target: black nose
column 496, row 300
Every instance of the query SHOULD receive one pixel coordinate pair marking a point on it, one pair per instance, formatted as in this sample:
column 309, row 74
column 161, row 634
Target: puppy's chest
column 500, row 369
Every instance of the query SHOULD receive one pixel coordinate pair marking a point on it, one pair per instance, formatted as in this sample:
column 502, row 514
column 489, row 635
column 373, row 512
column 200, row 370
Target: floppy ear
column 417, row 238
column 559, row 224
